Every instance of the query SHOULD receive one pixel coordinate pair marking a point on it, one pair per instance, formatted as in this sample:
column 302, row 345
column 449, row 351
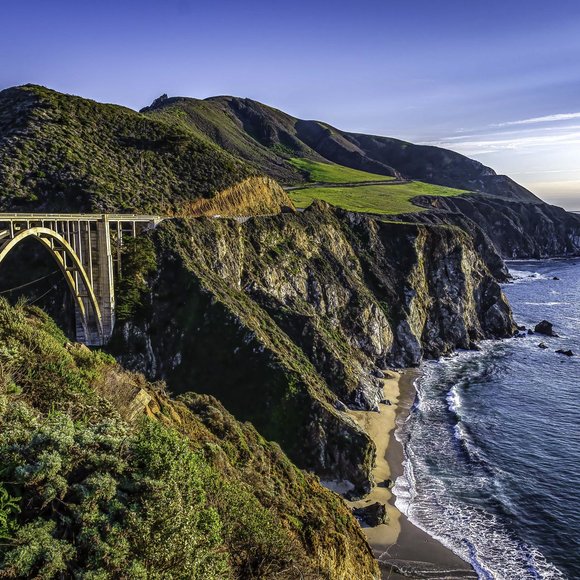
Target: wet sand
column 402, row 549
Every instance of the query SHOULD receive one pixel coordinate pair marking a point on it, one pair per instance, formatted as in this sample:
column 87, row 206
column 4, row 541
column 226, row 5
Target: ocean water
column 492, row 443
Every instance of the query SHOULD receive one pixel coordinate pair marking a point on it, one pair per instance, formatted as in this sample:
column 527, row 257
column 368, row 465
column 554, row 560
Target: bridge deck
column 115, row 217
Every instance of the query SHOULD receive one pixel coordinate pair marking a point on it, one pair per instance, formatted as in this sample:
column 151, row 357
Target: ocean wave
column 471, row 533
column 547, row 303
column 454, row 400
column 519, row 276
column 444, row 465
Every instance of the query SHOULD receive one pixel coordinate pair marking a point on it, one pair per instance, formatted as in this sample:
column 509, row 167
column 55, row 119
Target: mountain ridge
column 277, row 133
column 65, row 153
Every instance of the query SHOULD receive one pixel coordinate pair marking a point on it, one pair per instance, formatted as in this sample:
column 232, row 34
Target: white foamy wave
column 432, row 437
column 454, row 400
column 471, row 533
column 519, row 276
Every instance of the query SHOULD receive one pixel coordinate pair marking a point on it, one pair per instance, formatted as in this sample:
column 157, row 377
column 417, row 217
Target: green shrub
column 102, row 499
column 87, row 494
column 139, row 260
column 8, row 509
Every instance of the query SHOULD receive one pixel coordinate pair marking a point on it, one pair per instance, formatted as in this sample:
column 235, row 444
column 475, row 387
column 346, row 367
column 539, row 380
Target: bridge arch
column 70, row 266
column 88, row 251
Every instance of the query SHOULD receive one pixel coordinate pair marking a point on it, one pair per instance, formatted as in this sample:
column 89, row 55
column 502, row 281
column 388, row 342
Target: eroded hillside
column 287, row 319
column 103, row 475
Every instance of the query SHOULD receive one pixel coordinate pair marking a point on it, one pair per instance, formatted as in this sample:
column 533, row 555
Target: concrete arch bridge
column 87, row 249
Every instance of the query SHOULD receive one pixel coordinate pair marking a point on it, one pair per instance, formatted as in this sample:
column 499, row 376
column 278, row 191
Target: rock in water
column 546, row 328
column 565, row 352
column 373, row 515
column 542, row 345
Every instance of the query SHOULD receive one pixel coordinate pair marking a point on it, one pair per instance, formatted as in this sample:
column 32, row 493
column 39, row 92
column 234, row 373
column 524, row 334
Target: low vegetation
column 376, row 199
column 319, row 172
column 65, row 153
column 104, row 476
column 139, row 260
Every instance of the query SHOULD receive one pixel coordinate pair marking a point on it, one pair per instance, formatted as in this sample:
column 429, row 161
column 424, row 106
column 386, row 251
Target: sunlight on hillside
column 331, row 173
column 379, row 199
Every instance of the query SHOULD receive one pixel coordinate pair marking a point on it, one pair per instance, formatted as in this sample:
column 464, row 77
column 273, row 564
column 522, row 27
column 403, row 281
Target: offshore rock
column 545, row 327
column 372, row 515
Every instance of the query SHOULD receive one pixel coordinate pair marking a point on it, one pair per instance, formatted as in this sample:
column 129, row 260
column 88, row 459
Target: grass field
column 331, row 173
column 378, row 199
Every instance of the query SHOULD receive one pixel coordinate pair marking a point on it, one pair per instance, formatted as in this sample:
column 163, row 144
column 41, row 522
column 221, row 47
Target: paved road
column 353, row 184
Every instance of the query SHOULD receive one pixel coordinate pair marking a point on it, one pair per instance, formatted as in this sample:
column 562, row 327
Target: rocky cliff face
column 517, row 230
column 289, row 318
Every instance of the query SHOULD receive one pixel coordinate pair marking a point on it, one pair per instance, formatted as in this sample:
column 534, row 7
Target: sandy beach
column 402, row 549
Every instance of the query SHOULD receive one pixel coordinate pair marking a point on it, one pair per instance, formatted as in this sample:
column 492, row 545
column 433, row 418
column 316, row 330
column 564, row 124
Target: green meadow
column 331, row 173
column 378, row 199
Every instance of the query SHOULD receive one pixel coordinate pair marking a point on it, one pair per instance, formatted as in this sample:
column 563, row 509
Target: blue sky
column 498, row 81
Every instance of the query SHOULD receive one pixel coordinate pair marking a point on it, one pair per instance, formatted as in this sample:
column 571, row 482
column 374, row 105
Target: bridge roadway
column 87, row 249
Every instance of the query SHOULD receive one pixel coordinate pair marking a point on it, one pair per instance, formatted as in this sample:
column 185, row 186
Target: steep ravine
column 286, row 319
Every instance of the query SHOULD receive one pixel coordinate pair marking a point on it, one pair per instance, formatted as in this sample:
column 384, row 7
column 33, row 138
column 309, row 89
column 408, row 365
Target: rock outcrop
column 517, row 229
column 288, row 318
column 373, row 515
column 545, row 327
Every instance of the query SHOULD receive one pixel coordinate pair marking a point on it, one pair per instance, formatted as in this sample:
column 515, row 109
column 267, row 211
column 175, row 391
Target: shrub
column 100, row 498
column 138, row 261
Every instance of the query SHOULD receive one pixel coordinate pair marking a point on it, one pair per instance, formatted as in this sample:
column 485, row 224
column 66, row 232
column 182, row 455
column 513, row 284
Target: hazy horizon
column 495, row 82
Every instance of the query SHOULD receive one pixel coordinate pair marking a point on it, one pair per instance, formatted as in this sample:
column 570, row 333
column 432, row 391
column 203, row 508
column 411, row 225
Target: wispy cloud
column 520, row 138
column 535, row 120
column 496, row 143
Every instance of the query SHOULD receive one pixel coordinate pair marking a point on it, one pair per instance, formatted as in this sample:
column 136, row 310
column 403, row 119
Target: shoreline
column 402, row 549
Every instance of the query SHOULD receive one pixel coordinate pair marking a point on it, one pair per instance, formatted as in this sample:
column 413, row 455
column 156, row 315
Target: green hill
column 318, row 172
column 65, row 153
column 376, row 199
column 270, row 140
column 104, row 476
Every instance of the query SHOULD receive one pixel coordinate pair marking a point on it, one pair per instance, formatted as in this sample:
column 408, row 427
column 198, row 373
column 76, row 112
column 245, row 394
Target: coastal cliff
column 517, row 230
column 291, row 318
column 247, row 310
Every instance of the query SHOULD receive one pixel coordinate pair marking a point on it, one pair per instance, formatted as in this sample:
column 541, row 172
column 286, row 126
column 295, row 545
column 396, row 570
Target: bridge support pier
column 83, row 246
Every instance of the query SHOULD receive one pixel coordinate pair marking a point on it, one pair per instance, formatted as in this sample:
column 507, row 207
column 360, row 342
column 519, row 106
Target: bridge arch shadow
column 87, row 309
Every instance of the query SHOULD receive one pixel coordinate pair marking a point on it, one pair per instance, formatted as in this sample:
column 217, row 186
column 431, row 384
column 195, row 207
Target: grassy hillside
column 377, row 199
column 316, row 171
column 104, row 476
column 270, row 140
column 59, row 152
column 239, row 128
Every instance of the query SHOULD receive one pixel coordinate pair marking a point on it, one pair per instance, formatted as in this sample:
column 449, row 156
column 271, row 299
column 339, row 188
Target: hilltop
column 270, row 139
column 65, row 153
